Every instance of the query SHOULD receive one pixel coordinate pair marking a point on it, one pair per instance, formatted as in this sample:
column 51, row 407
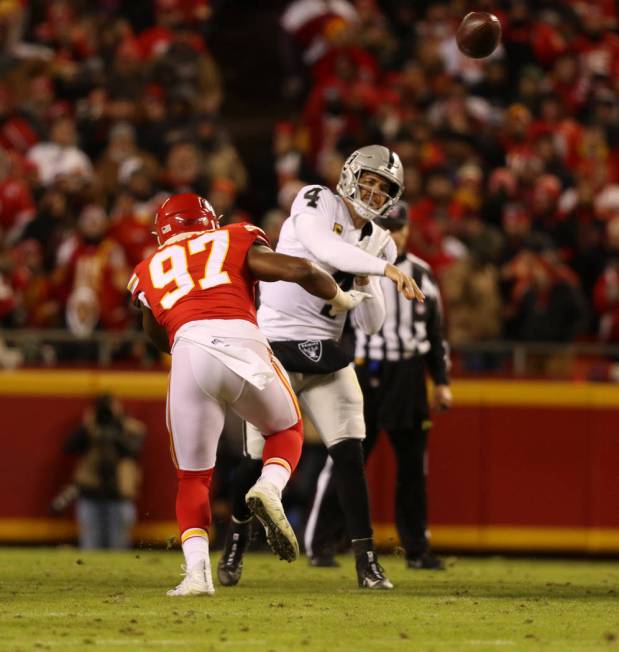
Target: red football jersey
column 203, row 276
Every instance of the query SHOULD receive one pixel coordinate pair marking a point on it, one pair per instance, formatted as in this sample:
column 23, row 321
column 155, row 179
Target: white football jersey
column 287, row 311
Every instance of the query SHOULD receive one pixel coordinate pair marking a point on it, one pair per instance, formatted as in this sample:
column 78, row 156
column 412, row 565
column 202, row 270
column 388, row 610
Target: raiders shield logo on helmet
column 311, row 349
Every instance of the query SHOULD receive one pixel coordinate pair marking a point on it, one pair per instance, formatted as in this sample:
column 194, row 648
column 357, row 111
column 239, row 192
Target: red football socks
column 193, row 504
column 284, row 447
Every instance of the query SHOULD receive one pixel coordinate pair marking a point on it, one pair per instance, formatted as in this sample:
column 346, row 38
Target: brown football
column 479, row 34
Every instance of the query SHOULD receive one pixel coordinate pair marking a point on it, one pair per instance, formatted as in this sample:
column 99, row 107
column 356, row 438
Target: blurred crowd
column 512, row 162
column 104, row 111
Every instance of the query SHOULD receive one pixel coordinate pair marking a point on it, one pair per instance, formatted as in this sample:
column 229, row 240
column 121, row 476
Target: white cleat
column 265, row 502
column 197, row 581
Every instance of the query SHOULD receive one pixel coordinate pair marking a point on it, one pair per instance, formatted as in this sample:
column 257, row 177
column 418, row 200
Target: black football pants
column 324, row 527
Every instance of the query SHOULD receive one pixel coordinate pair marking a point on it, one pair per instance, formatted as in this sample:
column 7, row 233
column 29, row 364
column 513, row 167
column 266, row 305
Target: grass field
column 65, row 599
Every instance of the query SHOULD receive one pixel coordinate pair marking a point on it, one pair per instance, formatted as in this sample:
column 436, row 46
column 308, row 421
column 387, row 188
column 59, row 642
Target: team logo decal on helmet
column 184, row 213
column 379, row 160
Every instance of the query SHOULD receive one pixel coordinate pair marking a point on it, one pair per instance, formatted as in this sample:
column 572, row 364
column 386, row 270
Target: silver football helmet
column 381, row 161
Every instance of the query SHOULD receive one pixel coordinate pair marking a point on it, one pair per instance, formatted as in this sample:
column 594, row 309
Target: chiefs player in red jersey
column 196, row 293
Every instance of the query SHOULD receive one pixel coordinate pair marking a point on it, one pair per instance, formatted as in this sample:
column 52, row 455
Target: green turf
column 65, row 599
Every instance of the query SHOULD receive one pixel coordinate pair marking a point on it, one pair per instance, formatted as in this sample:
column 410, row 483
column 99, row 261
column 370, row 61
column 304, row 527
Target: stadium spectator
column 471, row 292
column 545, row 302
column 184, row 171
column 59, row 157
column 186, row 64
column 37, row 303
column 131, row 224
column 51, row 225
column 16, row 203
column 127, row 76
column 430, row 217
column 606, row 290
column 153, row 121
column 170, row 15
column 289, row 161
column 92, row 275
column 16, row 132
column 39, row 103
column 122, row 147
column 309, row 31
column 8, row 300
column 11, row 26
column 223, row 198
column 221, row 158
column 272, row 224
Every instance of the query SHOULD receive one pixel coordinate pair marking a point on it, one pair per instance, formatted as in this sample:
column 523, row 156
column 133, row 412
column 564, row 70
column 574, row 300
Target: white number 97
column 170, row 265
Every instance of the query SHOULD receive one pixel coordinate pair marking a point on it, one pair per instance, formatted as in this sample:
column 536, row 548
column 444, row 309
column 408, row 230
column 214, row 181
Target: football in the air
column 479, row 34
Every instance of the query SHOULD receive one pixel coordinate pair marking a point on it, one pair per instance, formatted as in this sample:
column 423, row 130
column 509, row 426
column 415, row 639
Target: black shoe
column 370, row 573
column 425, row 561
column 230, row 566
column 323, row 561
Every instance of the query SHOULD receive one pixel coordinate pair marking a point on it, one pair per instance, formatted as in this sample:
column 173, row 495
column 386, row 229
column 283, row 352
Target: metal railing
column 104, row 348
column 521, row 355
column 57, row 346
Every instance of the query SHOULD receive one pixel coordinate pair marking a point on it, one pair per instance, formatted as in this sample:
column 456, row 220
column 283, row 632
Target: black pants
column 324, row 527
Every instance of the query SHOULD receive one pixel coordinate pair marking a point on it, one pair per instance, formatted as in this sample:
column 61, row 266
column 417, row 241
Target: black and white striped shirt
column 411, row 329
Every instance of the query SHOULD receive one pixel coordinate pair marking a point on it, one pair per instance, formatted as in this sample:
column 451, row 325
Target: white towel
column 241, row 360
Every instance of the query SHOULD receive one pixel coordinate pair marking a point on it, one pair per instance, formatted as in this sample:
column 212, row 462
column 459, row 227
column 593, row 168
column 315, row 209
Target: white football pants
column 334, row 403
column 200, row 388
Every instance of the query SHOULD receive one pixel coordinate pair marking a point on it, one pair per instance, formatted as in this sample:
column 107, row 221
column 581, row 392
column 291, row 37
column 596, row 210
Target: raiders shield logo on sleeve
column 312, row 349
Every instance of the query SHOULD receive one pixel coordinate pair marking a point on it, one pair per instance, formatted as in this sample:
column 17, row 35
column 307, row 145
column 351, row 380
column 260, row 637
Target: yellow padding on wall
column 15, row 530
column 455, row 537
column 494, row 537
column 152, row 385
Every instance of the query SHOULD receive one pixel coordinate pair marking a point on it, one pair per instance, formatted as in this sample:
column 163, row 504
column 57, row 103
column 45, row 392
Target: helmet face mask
column 380, row 161
column 375, row 196
column 184, row 213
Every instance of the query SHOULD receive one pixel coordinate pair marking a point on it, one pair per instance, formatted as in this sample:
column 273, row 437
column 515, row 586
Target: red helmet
column 184, row 213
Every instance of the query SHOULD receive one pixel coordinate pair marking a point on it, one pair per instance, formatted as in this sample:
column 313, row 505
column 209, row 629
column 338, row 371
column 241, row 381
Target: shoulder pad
column 313, row 199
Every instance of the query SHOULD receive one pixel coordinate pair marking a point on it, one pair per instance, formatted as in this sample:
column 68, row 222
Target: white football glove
column 375, row 243
column 345, row 301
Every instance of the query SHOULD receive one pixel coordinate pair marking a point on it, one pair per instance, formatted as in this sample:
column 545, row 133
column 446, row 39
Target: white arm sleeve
column 390, row 252
column 328, row 248
column 369, row 315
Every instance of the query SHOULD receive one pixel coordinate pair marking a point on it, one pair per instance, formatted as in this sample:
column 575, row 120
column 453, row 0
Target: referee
column 391, row 367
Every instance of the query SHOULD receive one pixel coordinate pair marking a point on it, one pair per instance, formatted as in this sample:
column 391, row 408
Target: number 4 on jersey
column 312, row 196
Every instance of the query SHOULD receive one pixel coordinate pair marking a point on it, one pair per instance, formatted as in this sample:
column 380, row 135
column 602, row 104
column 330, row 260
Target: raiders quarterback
column 337, row 232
